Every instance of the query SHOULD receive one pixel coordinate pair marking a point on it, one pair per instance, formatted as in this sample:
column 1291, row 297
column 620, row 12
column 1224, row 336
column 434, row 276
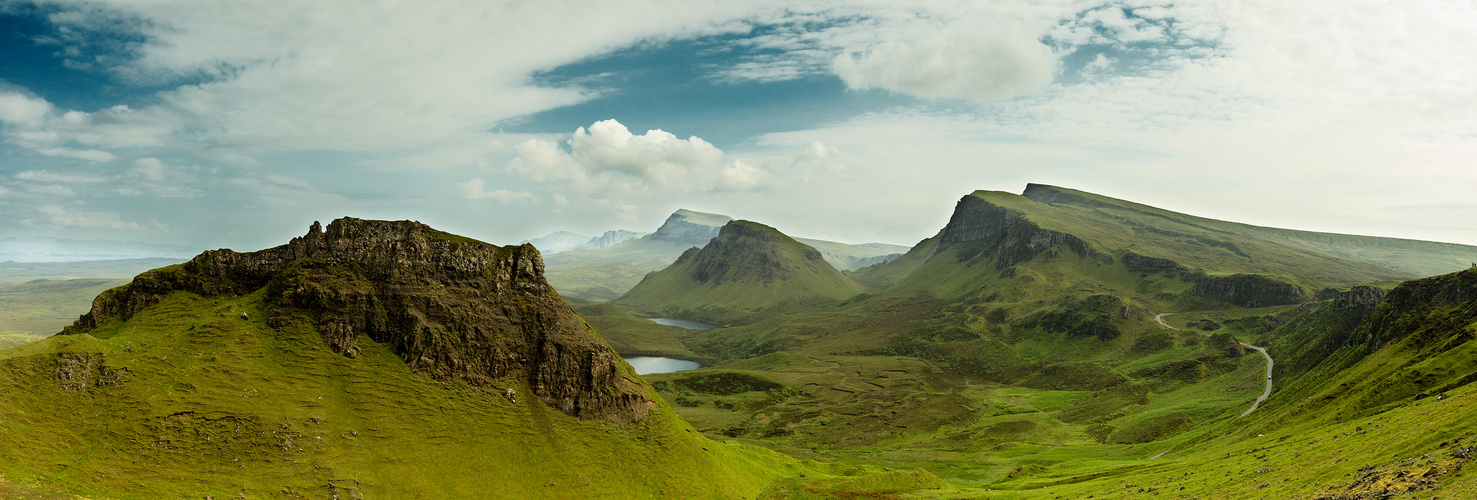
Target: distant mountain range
column 47, row 249
column 607, row 272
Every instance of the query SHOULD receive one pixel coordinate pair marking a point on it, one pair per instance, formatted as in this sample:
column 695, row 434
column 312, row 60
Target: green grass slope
column 188, row 400
column 748, row 271
column 1413, row 258
column 1386, row 413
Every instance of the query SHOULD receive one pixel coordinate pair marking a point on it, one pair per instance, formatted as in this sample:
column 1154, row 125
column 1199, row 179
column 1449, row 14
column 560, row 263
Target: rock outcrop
column 1249, row 290
column 981, row 229
column 453, row 308
column 1145, row 264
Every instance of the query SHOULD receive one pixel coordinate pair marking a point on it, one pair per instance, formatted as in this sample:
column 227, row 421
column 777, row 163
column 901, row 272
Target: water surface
column 684, row 323
column 647, row 364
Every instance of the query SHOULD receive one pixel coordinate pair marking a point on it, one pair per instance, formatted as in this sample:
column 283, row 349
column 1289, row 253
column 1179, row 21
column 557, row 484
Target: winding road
column 1265, row 394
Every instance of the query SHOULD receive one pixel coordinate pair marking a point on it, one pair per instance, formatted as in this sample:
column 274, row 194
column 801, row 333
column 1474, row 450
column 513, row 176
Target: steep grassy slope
column 371, row 360
column 749, row 271
column 1387, row 412
column 1412, row 258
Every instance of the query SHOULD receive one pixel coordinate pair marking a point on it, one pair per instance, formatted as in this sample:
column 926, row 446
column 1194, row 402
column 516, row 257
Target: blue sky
column 224, row 124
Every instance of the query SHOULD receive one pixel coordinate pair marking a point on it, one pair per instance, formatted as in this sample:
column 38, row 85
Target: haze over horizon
column 223, row 124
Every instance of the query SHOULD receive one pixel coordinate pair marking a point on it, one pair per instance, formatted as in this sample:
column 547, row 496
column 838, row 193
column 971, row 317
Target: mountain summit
column 748, row 270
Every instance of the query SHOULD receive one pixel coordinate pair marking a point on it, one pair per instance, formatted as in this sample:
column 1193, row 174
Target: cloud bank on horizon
column 224, row 124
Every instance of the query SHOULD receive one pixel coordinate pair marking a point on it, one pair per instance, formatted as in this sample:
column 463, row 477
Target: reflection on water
column 645, row 365
column 685, row 323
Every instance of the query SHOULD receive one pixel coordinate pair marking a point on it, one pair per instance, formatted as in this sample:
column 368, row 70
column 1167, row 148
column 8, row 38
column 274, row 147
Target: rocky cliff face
column 1427, row 312
column 1249, row 290
column 689, row 228
column 982, row 229
column 451, row 307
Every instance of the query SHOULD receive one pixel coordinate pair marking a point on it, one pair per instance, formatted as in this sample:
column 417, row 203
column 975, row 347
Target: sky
column 237, row 124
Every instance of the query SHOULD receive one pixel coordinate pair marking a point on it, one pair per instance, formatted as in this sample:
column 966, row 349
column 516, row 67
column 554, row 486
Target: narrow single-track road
column 1265, row 394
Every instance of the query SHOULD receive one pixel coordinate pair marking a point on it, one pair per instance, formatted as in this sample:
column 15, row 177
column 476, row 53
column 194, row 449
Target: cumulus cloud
column 17, row 108
column 974, row 65
column 655, row 156
column 475, row 189
column 607, row 154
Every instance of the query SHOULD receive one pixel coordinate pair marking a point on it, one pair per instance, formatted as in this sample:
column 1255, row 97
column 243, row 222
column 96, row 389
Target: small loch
column 645, row 365
column 684, row 323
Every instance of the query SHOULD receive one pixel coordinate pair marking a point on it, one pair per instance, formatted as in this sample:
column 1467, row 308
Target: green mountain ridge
column 748, row 271
column 606, row 273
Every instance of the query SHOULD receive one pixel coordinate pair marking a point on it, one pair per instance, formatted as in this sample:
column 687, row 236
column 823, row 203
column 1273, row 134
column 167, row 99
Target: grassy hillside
column 189, row 400
column 1412, row 258
column 750, row 270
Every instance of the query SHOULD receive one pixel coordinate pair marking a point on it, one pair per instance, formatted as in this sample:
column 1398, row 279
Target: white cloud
column 655, row 156
column 819, row 153
column 475, row 190
column 92, row 155
column 608, row 157
column 67, row 178
column 981, row 66
column 18, row 108
column 150, row 169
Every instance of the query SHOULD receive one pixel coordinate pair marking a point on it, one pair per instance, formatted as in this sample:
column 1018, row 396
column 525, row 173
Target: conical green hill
column 750, row 270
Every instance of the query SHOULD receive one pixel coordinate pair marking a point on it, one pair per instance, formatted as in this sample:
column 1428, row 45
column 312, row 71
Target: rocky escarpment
column 688, row 228
column 983, row 230
column 1145, row 264
column 1427, row 312
column 1249, row 290
column 453, row 308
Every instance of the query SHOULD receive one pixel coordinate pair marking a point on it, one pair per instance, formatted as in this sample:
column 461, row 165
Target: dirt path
column 1265, row 393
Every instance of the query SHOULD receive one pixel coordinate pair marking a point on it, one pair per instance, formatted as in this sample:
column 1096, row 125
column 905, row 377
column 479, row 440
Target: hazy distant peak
column 690, row 228
column 611, row 237
column 557, row 241
column 702, row 218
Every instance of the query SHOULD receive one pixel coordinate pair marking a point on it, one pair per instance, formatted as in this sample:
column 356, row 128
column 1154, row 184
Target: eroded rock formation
column 451, row 307
column 982, row 229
